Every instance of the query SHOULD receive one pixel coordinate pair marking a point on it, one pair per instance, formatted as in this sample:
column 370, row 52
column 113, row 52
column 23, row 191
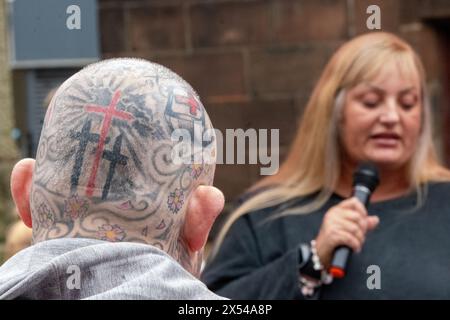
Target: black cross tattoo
column 116, row 158
column 85, row 136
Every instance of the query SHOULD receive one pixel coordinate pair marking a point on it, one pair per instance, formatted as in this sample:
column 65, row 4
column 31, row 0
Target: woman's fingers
column 372, row 222
column 353, row 204
column 353, row 216
column 345, row 238
column 344, row 224
column 353, row 229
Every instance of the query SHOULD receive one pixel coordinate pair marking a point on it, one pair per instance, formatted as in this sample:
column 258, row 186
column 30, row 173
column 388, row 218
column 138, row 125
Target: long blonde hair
column 314, row 161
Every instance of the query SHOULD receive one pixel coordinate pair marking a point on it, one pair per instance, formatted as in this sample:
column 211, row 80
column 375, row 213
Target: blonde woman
column 370, row 104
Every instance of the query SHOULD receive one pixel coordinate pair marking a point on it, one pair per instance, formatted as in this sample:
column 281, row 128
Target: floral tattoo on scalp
column 104, row 166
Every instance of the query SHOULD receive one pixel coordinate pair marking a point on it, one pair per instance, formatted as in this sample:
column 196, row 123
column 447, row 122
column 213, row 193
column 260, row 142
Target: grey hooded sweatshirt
column 95, row 269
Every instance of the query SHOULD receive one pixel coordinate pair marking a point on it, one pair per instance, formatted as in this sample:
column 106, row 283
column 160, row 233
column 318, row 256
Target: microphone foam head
column 366, row 175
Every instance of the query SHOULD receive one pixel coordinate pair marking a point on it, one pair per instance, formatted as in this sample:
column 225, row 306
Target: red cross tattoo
column 110, row 112
column 190, row 101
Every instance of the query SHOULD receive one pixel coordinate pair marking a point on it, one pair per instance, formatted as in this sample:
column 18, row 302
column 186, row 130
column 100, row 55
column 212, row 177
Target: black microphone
column 365, row 180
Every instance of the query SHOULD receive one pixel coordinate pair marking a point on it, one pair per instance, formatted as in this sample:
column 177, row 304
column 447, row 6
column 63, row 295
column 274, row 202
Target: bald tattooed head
column 105, row 164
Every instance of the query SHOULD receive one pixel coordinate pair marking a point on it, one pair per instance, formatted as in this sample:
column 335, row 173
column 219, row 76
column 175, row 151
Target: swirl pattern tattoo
column 104, row 166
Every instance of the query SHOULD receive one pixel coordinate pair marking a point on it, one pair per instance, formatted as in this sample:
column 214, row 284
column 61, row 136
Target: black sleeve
column 237, row 271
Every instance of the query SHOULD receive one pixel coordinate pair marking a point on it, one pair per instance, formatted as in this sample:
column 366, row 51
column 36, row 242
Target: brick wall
column 254, row 62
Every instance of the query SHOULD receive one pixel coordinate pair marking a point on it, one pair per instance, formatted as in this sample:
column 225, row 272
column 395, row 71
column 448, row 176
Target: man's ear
column 203, row 208
column 21, row 178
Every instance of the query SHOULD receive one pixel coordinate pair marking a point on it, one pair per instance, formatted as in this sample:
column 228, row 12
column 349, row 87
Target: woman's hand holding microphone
column 345, row 224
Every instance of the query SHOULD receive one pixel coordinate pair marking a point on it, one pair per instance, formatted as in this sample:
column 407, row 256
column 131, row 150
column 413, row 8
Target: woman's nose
column 390, row 113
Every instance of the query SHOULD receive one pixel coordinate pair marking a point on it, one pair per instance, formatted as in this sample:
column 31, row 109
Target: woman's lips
column 386, row 140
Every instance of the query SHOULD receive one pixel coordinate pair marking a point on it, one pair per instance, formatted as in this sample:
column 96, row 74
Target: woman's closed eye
column 370, row 100
column 370, row 104
column 408, row 102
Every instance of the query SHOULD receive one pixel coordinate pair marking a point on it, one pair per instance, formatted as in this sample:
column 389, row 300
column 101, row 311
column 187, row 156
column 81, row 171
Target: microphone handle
column 362, row 193
column 342, row 254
